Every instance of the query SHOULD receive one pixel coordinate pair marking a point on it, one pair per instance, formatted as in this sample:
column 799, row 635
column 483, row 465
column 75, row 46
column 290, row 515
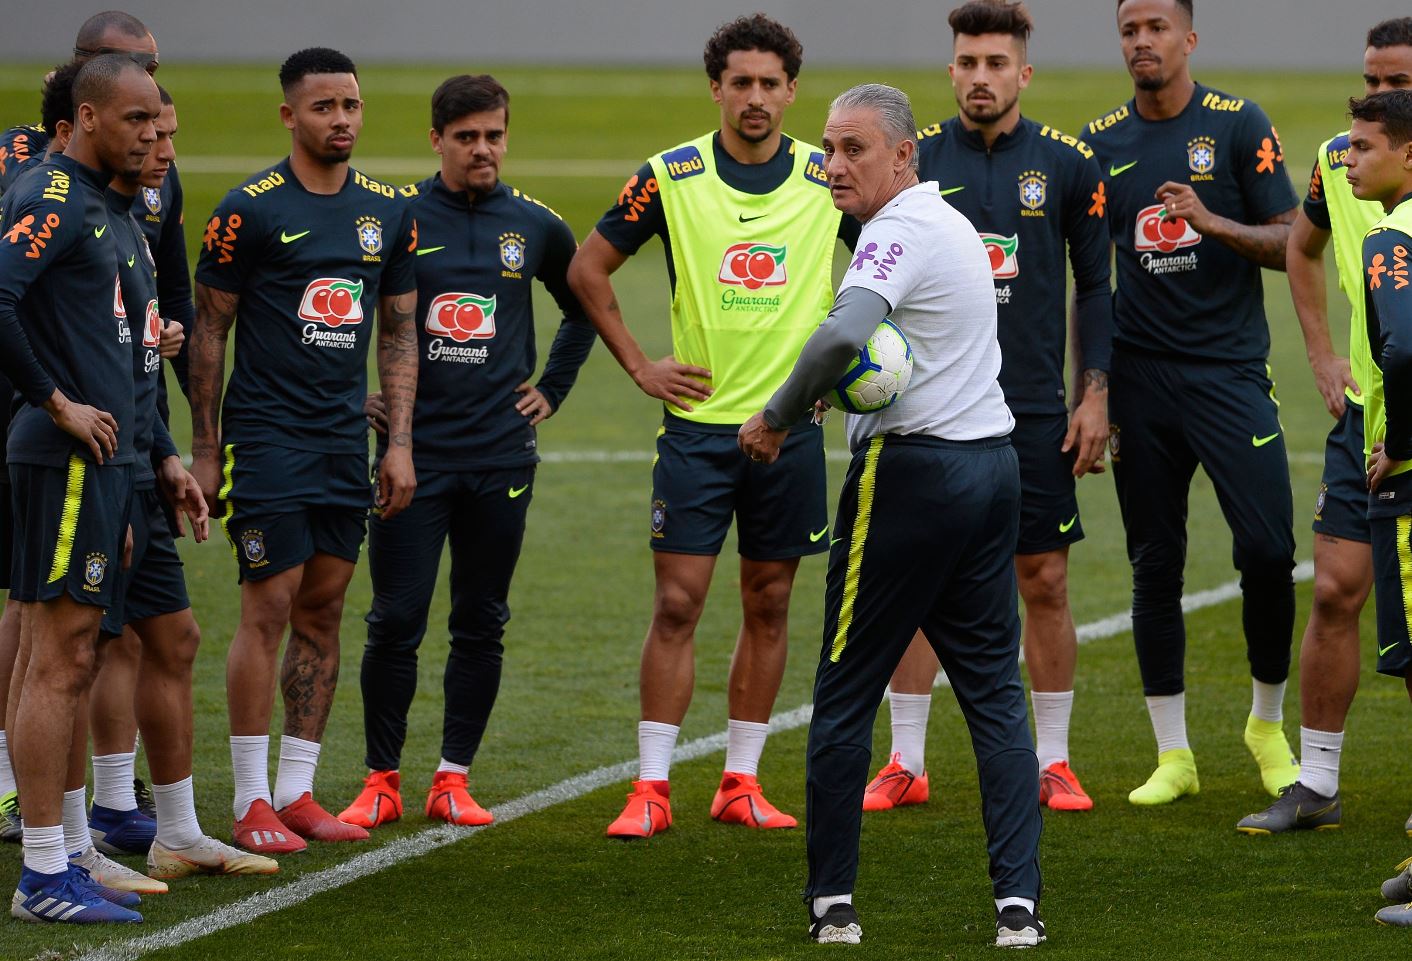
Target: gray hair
column 893, row 108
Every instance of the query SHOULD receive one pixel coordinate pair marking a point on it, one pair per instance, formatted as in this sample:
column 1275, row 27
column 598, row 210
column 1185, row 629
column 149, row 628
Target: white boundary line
column 424, row 842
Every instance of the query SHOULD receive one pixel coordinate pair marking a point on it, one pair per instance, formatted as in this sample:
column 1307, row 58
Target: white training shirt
column 925, row 259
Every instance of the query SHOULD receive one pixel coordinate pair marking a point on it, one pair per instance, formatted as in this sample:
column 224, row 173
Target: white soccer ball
column 878, row 375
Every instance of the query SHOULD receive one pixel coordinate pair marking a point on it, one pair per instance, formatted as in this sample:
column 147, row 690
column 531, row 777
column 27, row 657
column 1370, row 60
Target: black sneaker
column 1298, row 809
column 1018, row 927
column 839, row 925
column 1399, row 889
column 144, row 798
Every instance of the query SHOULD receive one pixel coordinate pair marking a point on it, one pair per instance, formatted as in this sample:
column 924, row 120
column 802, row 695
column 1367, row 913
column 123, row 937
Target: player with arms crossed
column 1343, row 560
column 1198, row 202
column 927, row 519
column 302, row 253
column 749, row 231
column 1031, row 192
column 481, row 243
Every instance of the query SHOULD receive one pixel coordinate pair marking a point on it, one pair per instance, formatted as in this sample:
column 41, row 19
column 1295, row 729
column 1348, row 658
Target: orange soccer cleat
column 380, row 801
column 895, row 787
column 449, row 801
column 1060, row 790
column 648, row 811
column 263, row 832
column 739, row 800
column 307, row 819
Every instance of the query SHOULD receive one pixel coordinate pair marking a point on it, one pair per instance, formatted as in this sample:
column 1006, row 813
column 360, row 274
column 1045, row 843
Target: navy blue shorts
column 154, row 585
column 70, row 528
column 1341, row 508
column 7, row 528
column 1049, row 508
column 701, row 480
column 1392, row 592
column 281, row 506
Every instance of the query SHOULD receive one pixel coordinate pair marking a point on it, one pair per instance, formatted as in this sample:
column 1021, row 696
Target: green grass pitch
column 1119, row 882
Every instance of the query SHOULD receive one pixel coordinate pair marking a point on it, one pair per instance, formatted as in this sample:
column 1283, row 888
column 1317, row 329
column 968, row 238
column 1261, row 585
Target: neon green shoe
column 1266, row 740
column 1175, row 776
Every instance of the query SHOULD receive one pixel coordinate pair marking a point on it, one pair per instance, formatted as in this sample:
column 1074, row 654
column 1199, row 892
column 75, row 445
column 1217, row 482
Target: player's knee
column 1045, row 585
column 675, row 609
column 766, row 602
column 179, row 652
column 1338, row 597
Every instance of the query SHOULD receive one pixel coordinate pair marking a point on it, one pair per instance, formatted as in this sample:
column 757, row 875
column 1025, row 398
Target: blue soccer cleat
column 65, row 898
column 121, row 832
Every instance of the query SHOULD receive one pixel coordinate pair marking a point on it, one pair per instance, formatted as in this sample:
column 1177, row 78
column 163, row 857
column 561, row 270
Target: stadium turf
column 1173, row 882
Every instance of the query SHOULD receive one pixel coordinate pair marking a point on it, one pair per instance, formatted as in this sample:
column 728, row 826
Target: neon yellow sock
column 1268, row 745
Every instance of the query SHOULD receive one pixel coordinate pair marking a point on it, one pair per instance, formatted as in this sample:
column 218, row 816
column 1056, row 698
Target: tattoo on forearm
column 215, row 314
column 1095, row 379
column 308, row 679
column 397, row 364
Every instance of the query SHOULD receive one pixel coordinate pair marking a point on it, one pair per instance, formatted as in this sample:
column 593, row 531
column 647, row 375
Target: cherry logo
column 753, row 266
column 152, row 326
column 1002, row 252
column 333, row 302
column 1156, row 230
column 461, row 317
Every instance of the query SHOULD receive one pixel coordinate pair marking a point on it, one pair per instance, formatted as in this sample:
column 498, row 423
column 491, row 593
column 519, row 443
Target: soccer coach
column 927, row 520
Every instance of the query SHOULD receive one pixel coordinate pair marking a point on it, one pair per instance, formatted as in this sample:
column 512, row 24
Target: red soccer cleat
column 380, row 801
column 895, row 787
column 305, row 818
column 648, row 811
column 1060, row 790
column 449, row 801
column 739, row 800
column 263, row 832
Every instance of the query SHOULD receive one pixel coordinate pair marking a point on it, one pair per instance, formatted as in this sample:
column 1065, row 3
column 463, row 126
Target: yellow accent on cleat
column 1267, row 744
column 1175, row 776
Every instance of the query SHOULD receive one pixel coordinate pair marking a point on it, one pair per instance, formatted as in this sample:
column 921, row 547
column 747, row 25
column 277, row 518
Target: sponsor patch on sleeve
column 683, row 162
column 814, row 170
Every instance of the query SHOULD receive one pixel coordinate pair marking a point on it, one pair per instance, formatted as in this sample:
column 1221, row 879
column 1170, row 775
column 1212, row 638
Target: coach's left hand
column 1181, row 201
column 397, row 481
column 759, row 441
column 173, row 334
column 533, row 404
column 1380, row 466
column 185, row 495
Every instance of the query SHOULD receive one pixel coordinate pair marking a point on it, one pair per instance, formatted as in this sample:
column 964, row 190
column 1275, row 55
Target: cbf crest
column 370, row 235
column 512, row 253
column 252, row 545
column 1034, row 191
column 152, row 197
column 1201, row 156
column 95, row 568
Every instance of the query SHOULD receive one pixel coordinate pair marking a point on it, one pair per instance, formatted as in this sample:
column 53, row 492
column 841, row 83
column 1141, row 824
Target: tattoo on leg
column 308, row 679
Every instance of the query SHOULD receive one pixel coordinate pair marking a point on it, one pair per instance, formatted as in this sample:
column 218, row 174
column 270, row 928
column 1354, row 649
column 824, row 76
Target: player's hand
column 96, row 429
column 759, row 441
column 127, row 548
column 1181, row 201
column 206, row 471
column 821, row 412
column 172, row 336
column 397, row 482
column 668, row 380
column 1380, row 467
column 376, row 412
column 533, row 404
column 1088, row 434
column 185, row 495
column 1332, row 375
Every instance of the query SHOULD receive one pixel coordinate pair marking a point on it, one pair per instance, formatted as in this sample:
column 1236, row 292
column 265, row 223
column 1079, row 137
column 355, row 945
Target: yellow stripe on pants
column 866, row 483
column 227, row 469
column 68, row 520
column 1404, row 564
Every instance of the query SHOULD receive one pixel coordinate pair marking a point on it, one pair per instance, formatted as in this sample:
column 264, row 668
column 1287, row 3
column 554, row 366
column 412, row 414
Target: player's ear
column 286, row 116
column 905, row 150
column 1026, row 72
column 791, row 86
column 1191, row 41
column 87, row 117
column 716, row 90
column 435, row 140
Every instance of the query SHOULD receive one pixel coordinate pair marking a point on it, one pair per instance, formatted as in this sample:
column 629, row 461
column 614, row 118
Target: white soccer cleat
column 119, row 877
column 206, row 856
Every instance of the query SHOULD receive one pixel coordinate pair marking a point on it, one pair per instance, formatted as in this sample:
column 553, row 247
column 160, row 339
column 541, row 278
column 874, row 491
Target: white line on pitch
column 424, row 842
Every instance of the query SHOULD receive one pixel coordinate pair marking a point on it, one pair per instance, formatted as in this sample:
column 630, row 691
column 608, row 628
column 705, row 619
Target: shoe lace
column 144, row 798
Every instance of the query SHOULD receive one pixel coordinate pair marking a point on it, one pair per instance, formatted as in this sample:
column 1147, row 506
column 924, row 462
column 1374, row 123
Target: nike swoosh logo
column 1300, row 813
column 1262, row 441
column 100, row 231
column 1384, row 650
column 816, row 536
column 835, row 541
column 745, row 220
column 1067, row 526
column 517, row 491
column 952, row 190
column 132, row 260
column 761, row 818
column 285, row 238
column 423, row 251
column 1114, row 171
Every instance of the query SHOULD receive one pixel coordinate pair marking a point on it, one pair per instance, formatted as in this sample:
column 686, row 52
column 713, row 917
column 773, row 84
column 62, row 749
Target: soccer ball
column 879, row 373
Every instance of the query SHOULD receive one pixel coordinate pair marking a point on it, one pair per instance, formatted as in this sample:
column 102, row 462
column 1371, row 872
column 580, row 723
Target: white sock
column 446, row 765
column 655, row 743
column 298, row 759
column 7, row 773
column 1051, row 725
column 44, row 849
column 77, row 840
column 745, row 742
column 250, row 760
column 1168, row 713
column 1267, row 701
column 823, row 904
column 177, row 826
column 112, row 781
column 1027, row 903
column 909, row 728
column 1318, row 760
